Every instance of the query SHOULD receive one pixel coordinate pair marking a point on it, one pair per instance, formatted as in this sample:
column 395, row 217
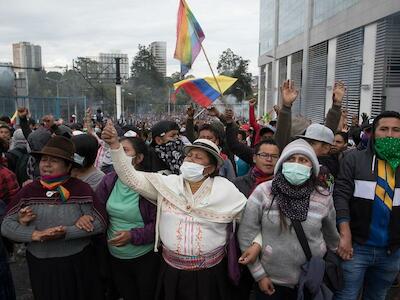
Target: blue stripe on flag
column 206, row 89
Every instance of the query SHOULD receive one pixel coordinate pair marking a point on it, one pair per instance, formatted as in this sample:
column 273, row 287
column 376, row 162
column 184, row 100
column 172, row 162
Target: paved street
column 22, row 286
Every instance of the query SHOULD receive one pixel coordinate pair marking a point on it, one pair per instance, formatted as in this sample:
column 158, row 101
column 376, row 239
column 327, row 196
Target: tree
column 233, row 65
column 6, row 82
column 143, row 68
column 146, row 84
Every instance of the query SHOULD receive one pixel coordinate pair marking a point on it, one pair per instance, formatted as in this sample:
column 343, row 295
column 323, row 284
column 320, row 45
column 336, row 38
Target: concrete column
column 367, row 76
column 289, row 67
column 330, row 73
column 308, row 20
column 259, row 101
column 275, row 63
column 275, row 84
column 266, row 91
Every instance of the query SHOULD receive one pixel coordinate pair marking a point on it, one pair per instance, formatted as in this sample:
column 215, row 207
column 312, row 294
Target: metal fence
column 60, row 107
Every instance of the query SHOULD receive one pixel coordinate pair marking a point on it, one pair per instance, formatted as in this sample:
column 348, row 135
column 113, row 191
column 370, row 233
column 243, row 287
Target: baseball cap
column 162, row 127
column 318, row 132
column 267, row 128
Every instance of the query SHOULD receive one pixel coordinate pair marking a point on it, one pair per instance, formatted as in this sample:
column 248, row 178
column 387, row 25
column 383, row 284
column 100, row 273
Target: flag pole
column 212, row 71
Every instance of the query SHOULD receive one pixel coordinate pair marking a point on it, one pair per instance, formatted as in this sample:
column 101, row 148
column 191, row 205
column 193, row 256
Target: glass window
column 291, row 19
column 324, row 9
column 267, row 24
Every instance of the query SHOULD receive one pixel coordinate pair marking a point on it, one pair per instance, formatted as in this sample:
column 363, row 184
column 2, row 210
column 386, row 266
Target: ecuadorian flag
column 204, row 91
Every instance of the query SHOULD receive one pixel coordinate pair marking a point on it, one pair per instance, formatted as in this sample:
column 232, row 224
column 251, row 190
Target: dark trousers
column 281, row 293
column 246, row 284
column 136, row 279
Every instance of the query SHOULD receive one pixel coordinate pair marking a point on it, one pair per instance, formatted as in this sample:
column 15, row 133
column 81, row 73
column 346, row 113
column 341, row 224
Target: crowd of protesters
column 209, row 208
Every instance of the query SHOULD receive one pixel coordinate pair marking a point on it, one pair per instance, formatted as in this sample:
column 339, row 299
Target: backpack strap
column 301, row 236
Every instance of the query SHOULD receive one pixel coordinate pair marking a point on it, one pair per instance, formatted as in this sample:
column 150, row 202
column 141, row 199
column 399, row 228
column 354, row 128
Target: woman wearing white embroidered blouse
column 193, row 213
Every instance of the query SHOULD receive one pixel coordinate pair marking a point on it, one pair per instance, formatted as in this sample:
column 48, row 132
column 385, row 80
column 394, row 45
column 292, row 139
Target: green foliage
column 181, row 97
column 146, row 84
column 233, row 65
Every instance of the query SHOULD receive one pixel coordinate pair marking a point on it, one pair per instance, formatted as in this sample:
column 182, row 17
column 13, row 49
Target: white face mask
column 192, row 171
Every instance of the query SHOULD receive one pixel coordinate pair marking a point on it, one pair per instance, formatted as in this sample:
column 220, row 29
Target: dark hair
column 3, row 146
column 385, row 114
column 140, row 148
column 32, row 122
column 243, row 134
column 5, row 119
column 344, row 135
column 76, row 126
column 126, row 128
column 86, row 145
column 213, row 129
column 268, row 141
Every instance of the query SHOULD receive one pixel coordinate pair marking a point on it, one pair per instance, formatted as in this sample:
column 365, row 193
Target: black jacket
column 354, row 194
column 245, row 184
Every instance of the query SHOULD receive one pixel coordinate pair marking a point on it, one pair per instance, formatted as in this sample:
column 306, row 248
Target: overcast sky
column 66, row 29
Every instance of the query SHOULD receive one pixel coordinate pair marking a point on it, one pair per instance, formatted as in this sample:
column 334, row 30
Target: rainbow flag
column 204, row 91
column 189, row 36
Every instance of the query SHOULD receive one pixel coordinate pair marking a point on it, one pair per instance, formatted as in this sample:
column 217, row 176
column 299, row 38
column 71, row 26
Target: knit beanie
column 298, row 146
column 18, row 139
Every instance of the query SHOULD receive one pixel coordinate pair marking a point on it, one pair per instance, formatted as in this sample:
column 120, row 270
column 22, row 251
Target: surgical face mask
column 296, row 173
column 192, row 172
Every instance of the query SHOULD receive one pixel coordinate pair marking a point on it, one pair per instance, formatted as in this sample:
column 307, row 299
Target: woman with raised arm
column 194, row 210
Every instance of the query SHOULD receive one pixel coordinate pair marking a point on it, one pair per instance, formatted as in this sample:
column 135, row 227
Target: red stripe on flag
column 196, row 94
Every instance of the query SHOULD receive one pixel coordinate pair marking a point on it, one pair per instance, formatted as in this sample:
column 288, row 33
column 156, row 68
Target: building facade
column 317, row 42
column 107, row 65
column 27, row 55
column 159, row 51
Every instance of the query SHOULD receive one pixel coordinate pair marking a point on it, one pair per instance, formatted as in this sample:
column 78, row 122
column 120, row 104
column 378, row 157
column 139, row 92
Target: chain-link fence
column 60, row 107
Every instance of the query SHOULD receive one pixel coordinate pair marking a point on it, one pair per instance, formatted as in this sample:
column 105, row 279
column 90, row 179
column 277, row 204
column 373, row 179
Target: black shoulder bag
column 333, row 277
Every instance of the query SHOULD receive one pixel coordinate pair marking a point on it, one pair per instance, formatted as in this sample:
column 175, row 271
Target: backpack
column 22, row 156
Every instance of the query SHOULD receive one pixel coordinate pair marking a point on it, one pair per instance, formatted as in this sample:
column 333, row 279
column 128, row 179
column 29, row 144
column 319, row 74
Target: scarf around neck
column 171, row 153
column 55, row 183
column 293, row 201
column 260, row 176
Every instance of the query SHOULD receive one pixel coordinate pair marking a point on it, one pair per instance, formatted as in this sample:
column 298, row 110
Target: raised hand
column 252, row 101
column 110, row 136
column 288, row 93
column 229, row 114
column 339, row 90
column 276, row 109
column 22, row 112
column 213, row 112
column 190, row 112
